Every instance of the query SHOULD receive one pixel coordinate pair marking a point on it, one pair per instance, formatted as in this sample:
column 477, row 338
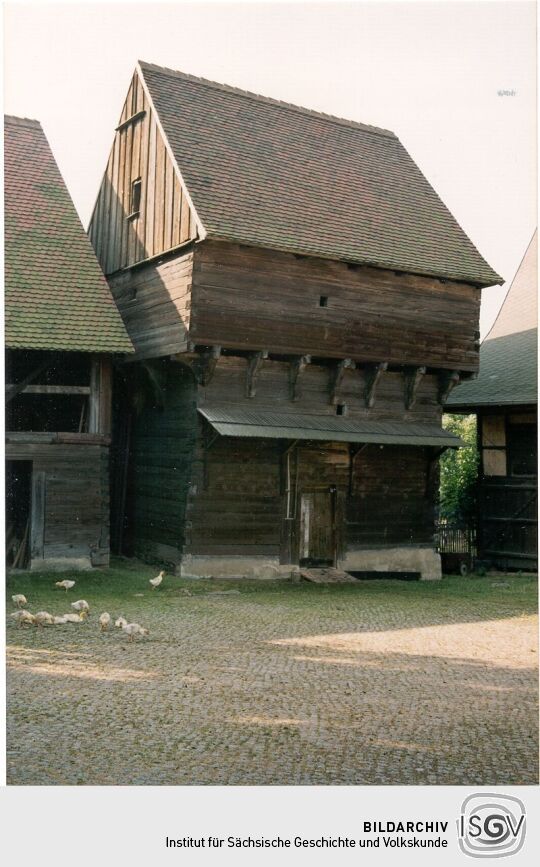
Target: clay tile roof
column 508, row 355
column 265, row 173
column 56, row 296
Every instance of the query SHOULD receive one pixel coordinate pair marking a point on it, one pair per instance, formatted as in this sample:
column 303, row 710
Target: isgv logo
column 491, row 826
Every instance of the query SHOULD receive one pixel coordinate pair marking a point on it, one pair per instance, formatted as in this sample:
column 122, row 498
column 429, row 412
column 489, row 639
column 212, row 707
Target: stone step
column 327, row 575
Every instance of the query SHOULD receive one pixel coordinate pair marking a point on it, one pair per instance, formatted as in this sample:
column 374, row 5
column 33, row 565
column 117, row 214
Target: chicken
column 59, row 620
column 81, row 605
column 155, row 582
column 19, row 600
column 133, row 629
column 22, row 617
column 75, row 618
column 120, row 622
column 104, row 621
column 43, row 617
column 65, row 585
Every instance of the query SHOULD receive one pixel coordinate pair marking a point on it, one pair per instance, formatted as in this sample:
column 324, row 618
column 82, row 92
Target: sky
column 454, row 80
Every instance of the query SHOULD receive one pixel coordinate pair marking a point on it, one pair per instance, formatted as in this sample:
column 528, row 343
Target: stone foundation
column 426, row 561
column 234, row 567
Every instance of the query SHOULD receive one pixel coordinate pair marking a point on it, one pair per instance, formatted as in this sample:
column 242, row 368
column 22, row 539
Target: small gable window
column 323, row 301
column 135, row 197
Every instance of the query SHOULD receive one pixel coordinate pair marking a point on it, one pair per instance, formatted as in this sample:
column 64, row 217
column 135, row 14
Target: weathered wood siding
column 164, row 219
column 75, row 521
column 163, row 445
column 235, row 502
column 154, row 301
column 392, row 501
column 253, row 298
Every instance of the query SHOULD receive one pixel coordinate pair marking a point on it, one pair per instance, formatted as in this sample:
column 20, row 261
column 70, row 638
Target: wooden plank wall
column 262, row 299
column 227, row 389
column 235, row 506
column 154, row 302
column 165, row 220
column 75, row 479
column 163, row 445
column 392, row 501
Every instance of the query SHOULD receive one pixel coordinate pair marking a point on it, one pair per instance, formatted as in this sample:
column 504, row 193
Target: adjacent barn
column 301, row 303
column 505, row 400
column 62, row 328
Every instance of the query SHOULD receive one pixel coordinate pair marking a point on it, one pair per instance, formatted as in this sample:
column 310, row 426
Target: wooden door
column 317, row 528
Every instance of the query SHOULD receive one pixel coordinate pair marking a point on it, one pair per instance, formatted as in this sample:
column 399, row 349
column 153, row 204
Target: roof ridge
column 22, row 121
column 228, row 88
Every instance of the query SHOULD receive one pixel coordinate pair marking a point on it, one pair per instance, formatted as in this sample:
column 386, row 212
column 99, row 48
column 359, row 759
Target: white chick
column 120, row 622
column 81, row 605
column 22, row 617
column 133, row 629
column 75, row 618
column 104, row 621
column 59, row 620
column 19, row 600
column 65, row 585
column 155, row 582
column 43, row 617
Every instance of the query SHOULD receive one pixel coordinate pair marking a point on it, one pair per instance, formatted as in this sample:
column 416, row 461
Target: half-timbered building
column 301, row 302
column 505, row 400
column 61, row 330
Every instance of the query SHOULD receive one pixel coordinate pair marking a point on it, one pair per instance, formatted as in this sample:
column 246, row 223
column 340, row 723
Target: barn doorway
column 18, row 513
column 317, row 528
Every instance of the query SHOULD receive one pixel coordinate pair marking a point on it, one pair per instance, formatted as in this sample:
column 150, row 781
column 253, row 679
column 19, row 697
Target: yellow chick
column 155, row 582
column 19, row 600
column 65, row 585
column 104, row 621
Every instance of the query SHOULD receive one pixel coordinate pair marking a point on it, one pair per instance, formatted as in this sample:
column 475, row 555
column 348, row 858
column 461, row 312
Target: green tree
column 459, row 470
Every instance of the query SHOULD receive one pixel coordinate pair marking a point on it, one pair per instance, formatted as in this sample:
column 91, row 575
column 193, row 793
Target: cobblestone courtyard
column 377, row 683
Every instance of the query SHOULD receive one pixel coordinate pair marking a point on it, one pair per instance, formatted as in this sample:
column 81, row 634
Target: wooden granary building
column 301, row 302
column 505, row 400
column 61, row 331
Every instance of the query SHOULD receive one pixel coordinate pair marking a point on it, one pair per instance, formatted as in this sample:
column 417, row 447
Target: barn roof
column 56, row 296
column 508, row 355
column 269, row 174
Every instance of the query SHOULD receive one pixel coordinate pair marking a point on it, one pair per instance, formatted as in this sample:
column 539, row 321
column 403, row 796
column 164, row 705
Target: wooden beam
column 448, row 379
column 336, row 376
column 373, row 374
column 413, row 378
column 37, row 515
column 134, row 117
column 53, row 389
column 206, row 364
column 15, row 389
column 255, row 360
column 297, row 366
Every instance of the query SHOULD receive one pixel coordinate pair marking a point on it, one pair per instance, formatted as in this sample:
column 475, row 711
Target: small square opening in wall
column 341, row 409
column 323, row 301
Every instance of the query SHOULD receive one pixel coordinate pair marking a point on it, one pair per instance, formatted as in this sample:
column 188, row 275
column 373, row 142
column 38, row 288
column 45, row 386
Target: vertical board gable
column 164, row 219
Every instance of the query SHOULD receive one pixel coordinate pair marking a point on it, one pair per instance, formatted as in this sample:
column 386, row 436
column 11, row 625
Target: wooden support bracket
column 373, row 374
column 336, row 377
column 413, row 378
column 255, row 360
column 13, row 390
column 298, row 365
column 448, row 379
